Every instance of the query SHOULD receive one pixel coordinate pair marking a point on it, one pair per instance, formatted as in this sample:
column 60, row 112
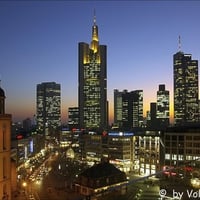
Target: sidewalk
column 19, row 195
column 62, row 194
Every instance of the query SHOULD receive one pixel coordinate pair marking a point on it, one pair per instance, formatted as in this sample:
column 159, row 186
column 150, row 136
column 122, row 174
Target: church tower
column 5, row 159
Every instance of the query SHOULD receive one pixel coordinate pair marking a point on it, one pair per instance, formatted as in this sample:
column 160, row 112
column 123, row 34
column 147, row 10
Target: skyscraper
column 48, row 106
column 163, row 106
column 186, row 90
column 92, row 99
column 73, row 117
column 128, row 109
column 118, row 107
column 138, row 120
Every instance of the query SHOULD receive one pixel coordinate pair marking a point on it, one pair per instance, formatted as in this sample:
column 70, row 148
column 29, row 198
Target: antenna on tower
column 94, row 16
column 179, row 43
column 0, row 80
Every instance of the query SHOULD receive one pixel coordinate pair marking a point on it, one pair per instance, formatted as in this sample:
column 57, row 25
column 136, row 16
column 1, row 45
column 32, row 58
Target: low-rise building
column 182, row 150
column 101, row 179
column 118, row 147
column 147, row 152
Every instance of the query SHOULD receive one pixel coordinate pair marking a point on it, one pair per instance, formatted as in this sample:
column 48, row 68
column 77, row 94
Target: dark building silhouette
column 153, row 116
column 92, row 95
column 27, row 125
column 186, row 90
column 100, row 180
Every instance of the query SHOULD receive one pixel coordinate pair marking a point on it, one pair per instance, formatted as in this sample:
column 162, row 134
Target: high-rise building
column 5, row 150
column 153, row 116
column 73, row 117
column 118, row 107
column 128, row 109
column 93, row 106
column 163, row 106
column 186, row 90
column 48, row 106
column 27, row 124
column 138, row 120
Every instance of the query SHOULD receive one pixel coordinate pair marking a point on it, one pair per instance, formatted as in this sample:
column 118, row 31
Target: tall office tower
column 123, row 109
column 118, row 107
column 163, row 106
column 186, row 90
column 73, row 117
column 138, row 119
column 128, row 109
column 153, row 115
column 27, row 125
column 48, row 106
column 93, row 106
column 5, row 153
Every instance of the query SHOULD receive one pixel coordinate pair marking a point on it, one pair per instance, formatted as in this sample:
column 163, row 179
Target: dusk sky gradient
column 39, row 43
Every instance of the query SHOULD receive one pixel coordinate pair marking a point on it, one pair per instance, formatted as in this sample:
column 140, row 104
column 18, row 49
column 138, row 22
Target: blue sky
column 39, row 42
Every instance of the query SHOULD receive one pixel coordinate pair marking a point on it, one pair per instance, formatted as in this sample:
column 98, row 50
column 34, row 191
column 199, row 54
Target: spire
column 95, row 39
column 94, row 20
column 179, row 43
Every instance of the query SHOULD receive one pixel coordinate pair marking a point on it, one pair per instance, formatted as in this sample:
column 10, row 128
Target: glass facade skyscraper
column 138, row 119
column 128, row 109
column 186, row 90
column 73, row 117
column 163, row 106
column 118, row 107
column 93, row 106
column 48, row 106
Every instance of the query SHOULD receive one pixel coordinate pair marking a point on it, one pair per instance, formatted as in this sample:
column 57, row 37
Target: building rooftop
column 104, row 169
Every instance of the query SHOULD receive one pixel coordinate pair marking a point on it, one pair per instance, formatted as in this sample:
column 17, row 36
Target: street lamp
column 24, row 185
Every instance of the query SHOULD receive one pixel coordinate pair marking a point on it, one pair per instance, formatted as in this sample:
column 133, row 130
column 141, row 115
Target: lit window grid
column 185, row 87
column 178, row 151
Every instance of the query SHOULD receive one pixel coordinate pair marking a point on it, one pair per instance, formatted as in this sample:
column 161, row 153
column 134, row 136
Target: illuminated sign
column 104, row 133
column 120, row 134
column 31, row 146
column 19, row 137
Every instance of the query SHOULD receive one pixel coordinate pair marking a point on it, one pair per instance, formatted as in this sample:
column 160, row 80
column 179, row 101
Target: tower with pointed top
column 92, row 83
column 186, row 89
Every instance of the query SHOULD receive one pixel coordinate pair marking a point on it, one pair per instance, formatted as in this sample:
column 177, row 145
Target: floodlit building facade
column 5, row 150
column 147, row 153
column 121, row 150
column 117, row 147
column 92, row 95
column 48, row 106
column 186, row 89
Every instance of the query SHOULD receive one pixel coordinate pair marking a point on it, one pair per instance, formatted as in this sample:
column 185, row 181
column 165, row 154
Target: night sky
column 39, row 43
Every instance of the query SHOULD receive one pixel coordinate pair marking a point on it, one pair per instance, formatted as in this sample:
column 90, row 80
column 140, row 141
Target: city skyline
column 39, row 43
